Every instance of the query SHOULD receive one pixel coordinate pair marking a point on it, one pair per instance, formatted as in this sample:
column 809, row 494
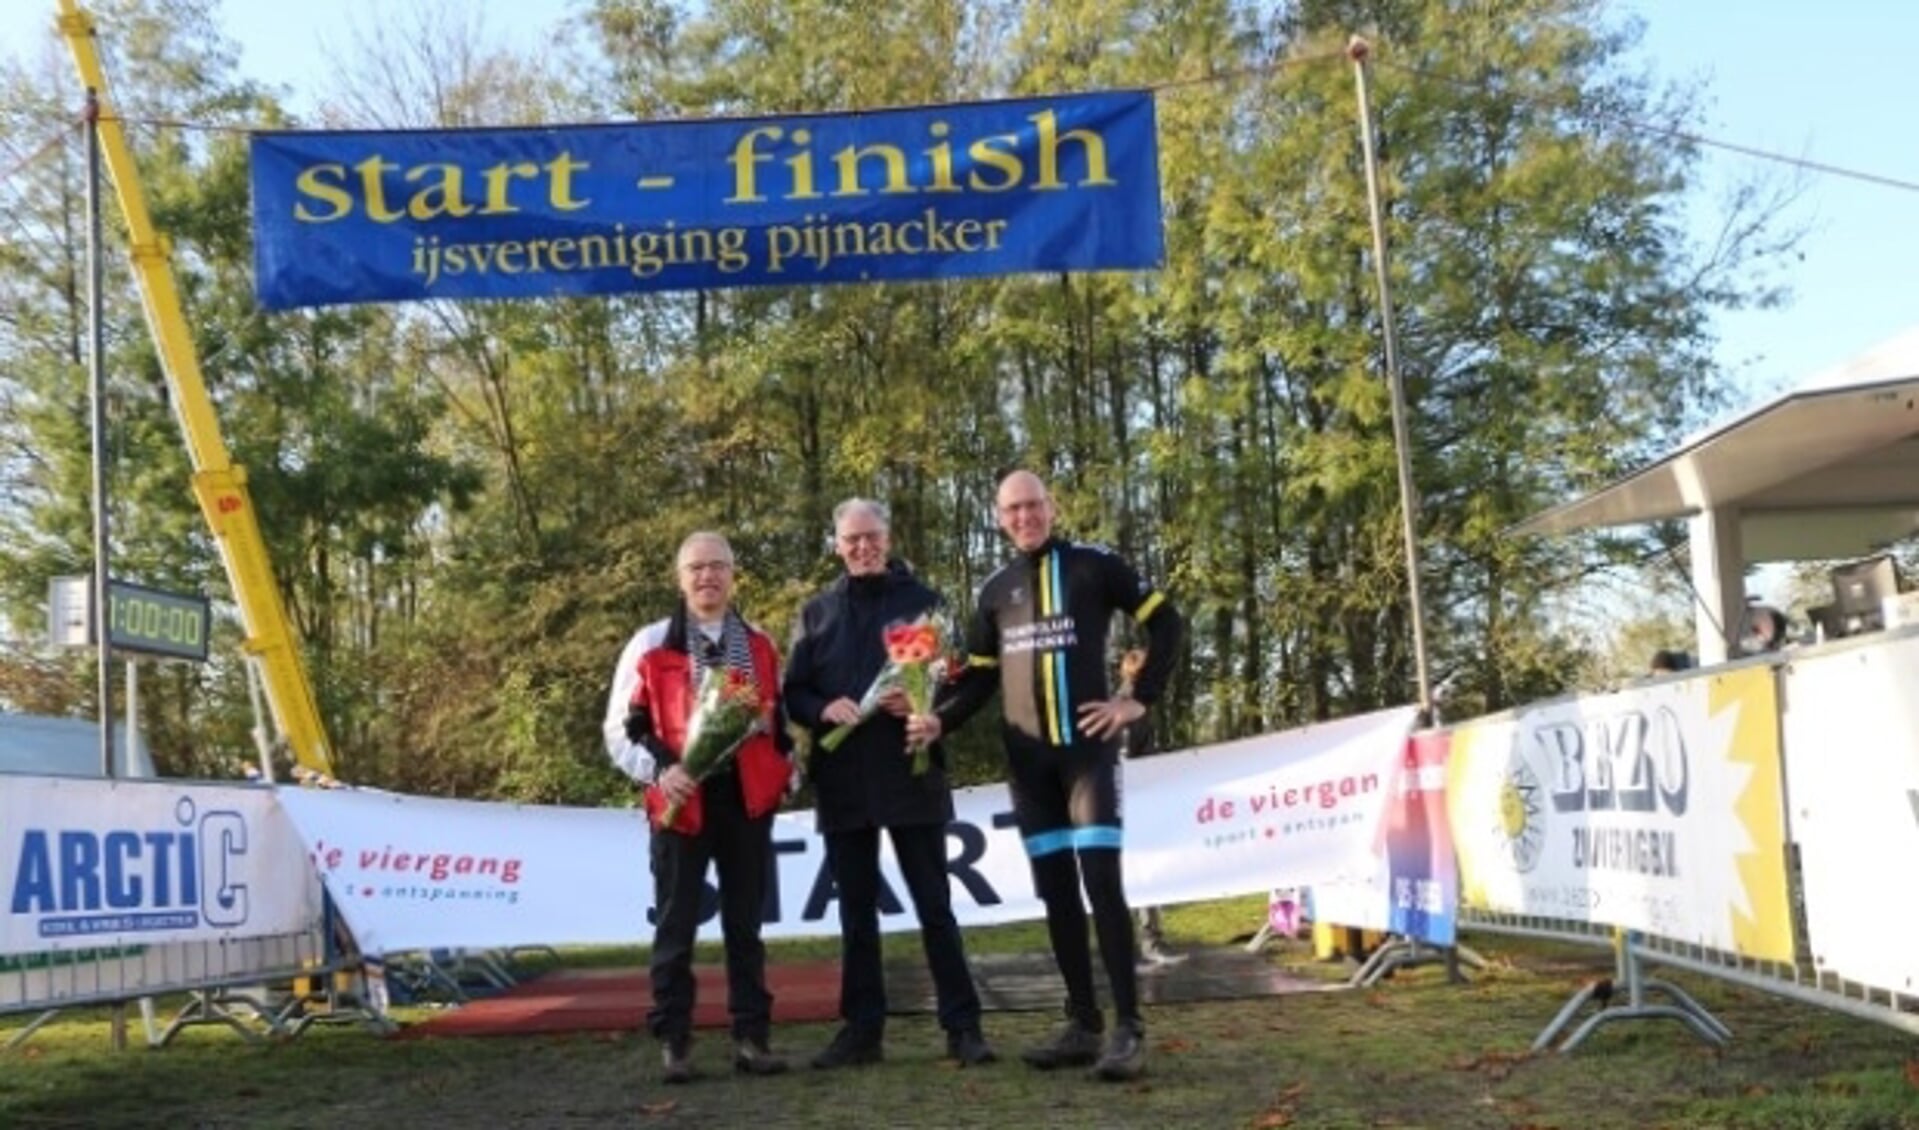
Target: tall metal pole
column 131, row 763
column 1358, row 50
column 97, row 389
column 219, row 484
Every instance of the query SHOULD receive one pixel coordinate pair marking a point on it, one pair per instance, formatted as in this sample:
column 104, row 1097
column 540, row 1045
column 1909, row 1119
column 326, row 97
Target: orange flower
column 914, row 665
column 911, row 643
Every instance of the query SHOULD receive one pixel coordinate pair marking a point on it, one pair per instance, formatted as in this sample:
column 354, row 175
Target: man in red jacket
column 727, row 819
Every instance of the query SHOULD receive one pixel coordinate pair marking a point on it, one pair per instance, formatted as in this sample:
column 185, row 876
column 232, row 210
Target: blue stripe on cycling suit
column 1068, row 839
column 1066, row 719
column 1046, row 843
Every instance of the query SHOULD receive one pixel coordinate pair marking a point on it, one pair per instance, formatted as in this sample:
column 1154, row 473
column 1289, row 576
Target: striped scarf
column 732, row 647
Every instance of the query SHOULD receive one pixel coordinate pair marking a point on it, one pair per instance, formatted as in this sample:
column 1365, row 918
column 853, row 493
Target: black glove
column 639, row 731
column 639, row 725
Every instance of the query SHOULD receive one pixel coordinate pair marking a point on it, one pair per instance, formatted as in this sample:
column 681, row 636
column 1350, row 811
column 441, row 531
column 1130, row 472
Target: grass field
column 1415, row 1052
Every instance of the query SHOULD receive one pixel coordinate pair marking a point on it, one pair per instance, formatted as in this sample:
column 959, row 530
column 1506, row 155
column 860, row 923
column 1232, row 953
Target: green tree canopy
column 472, row 506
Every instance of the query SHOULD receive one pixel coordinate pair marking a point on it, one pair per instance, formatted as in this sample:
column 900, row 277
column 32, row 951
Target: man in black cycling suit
column 1038, row 636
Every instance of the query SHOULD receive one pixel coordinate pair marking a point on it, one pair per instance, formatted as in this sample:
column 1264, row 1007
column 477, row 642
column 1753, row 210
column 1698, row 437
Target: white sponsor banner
column 1286, row 809
column 89, row 864
column 1655, row 809
column 1852, row 775
column 1292, row 809
column 419, row 872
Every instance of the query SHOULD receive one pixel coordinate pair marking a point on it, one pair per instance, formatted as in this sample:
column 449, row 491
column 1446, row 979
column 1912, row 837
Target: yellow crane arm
column 219, row 484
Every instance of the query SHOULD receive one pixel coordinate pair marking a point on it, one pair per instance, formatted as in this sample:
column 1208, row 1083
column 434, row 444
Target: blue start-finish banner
column 1044, row 184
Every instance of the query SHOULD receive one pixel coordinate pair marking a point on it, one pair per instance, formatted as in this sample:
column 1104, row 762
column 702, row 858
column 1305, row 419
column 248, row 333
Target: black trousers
column 921, row 850
column 1068, row 807
column 739, row 849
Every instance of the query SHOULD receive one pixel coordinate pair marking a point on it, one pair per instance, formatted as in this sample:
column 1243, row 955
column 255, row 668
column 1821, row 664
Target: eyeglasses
column 869, row 537
column 693, row 568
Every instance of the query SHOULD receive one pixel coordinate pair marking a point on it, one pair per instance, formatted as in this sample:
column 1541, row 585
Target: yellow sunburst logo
column 1763, row 927
column 1522, row 814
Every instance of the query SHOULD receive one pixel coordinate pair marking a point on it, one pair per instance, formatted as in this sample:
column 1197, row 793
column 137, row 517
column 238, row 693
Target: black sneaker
column 1074, row 1045
column 1125, row 1056
column 676, row 1060
column 851, row 1047
column 751, row 1057
column 969, row 1048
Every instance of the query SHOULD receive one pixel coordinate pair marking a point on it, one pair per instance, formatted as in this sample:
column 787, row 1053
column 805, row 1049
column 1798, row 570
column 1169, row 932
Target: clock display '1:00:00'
column 137, row 618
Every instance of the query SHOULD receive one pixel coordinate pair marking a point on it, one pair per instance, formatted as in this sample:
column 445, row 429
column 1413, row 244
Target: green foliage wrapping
column 917, row 681
column 890, row 676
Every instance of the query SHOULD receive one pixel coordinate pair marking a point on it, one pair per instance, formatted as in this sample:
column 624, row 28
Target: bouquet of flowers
column 726, row 712
column 914, row 664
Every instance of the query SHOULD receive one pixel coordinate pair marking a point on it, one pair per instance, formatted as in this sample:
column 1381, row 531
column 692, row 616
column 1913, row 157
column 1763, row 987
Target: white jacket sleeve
column 632, row 758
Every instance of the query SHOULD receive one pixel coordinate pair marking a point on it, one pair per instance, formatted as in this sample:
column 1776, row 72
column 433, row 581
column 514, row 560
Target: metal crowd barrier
column 1798, row 981
column 451, row 976
column 340, row 991
column 1628, row 975
column 1627, row 994
column 1801, row 981
column 215, row 973
column 1401, row 952
column 259, row 987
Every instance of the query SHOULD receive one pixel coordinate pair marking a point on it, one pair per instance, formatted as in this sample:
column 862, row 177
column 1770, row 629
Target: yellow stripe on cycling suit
column 1148, row 606
column 982, row 661
column 1046, row 659
column 1046, row 662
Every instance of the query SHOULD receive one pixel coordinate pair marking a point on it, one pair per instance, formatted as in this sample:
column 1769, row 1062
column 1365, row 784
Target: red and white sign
column 418, row 872
column 1292, row 809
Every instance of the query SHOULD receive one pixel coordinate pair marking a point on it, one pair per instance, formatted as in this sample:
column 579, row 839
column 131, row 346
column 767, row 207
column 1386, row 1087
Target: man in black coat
column 868, row 783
